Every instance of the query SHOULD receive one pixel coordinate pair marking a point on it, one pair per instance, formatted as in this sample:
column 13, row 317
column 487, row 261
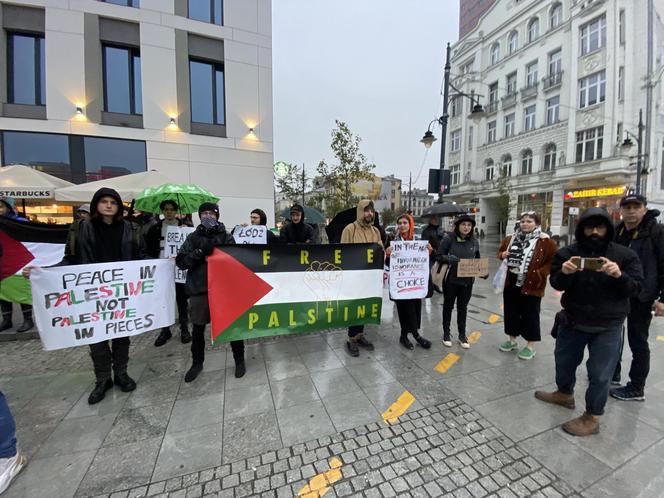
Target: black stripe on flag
column 27, row 231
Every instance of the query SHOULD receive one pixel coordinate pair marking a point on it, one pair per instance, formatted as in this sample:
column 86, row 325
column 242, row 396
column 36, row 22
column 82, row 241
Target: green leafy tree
column 291, row 184
column 388, row 216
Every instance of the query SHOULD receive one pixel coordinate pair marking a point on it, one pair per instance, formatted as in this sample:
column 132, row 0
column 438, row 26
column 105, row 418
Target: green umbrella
column 188, row 197
column 310, row 215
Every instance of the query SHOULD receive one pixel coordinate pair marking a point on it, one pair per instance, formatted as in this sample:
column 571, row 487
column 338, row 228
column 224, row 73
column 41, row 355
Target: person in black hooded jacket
column 258, row 217
column 297, row 231
column 595, row 304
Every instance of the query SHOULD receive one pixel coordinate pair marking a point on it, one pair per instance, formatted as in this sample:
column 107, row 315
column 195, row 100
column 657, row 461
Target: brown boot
column 557, row 398
column 582, row 426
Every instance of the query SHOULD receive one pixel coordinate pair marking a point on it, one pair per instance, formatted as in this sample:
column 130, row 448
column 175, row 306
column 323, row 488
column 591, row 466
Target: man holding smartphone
column 595, row 304
column 640, row 231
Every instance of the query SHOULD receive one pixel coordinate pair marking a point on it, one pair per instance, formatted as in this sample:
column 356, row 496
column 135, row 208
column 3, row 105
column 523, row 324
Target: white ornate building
column 561, row 81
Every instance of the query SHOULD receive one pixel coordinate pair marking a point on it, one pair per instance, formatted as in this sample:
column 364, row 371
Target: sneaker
column 362, row 342
column 353, row 350
column 526, row 354
column 9, row 468
column 464, row 342
column 508, row 346
column 447, row 341
column 616, row 383
column 627, row 393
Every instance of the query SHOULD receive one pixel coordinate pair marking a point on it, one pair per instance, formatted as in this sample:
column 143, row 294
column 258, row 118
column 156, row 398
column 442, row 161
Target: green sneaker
column 508, row 346
column 526, row 354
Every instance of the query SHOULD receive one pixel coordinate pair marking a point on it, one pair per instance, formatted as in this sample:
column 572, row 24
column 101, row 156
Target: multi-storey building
column 420, row 200
column 470, row 12
column 562, row 82
column 90, row 89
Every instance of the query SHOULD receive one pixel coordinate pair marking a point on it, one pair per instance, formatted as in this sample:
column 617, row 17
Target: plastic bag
column 500, row 277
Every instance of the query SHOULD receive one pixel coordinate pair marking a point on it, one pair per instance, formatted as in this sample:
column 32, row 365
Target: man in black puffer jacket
column 640, row 231
column 596, row 303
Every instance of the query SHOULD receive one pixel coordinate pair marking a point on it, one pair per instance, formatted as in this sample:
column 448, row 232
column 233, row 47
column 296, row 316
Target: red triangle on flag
column 232, row 289
column 13, row 256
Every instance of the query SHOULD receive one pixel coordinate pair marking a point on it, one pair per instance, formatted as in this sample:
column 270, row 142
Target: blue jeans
column 7, row 430
column 603, row 352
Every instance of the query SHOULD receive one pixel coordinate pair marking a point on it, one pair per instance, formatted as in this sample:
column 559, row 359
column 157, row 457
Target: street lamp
column 429, row 138
column 627, row 145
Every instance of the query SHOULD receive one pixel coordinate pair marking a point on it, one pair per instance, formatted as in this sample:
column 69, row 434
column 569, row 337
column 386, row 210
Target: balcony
column 509, row 100
column 552, row 81
column 492, row 107
column 529, row 91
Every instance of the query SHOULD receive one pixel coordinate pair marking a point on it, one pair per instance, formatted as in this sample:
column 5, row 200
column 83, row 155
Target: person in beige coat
column 361, row 231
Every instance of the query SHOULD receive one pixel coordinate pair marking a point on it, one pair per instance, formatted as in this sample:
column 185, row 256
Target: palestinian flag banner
column 260, row 291
column 24, row 243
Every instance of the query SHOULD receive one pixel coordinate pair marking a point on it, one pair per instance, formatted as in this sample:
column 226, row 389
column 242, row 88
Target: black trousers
column 522, row 312
column 198, row 346
column 107, row 354
column 182, row 301
column 410, row 315
column 461, row 295
column 638, row 325
column 355, row 330
column 6, row 308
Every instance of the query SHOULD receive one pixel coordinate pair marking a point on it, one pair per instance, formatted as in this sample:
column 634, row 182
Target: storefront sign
column 27, row 193
column 595, row 192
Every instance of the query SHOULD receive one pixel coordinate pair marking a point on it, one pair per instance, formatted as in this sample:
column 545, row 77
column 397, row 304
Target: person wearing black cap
column 598, row 277
column 460, row 244
column 193, row 258
column 297, row 231
column 640, row 231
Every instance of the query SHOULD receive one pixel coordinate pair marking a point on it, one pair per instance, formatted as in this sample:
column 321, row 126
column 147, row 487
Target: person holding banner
column 193, row 258
column 408, row 310
column 155, row 242
column 529, row 253
column 455, row 246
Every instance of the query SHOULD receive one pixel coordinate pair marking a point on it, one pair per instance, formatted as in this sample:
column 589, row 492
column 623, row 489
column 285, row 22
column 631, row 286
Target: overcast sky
column 376, row 64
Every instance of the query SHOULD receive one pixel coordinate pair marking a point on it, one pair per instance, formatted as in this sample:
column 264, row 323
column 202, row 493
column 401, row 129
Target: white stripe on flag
column 45, row 254
column 302, row 286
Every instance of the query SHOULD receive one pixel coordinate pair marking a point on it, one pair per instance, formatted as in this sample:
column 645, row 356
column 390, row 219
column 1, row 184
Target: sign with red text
column 86, row 304
column 409, row 269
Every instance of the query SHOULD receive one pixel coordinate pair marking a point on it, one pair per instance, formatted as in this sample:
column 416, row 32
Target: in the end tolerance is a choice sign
column 86, row 304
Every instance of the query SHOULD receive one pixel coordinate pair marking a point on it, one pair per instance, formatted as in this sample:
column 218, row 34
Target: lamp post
column 429, row 138
column 627, row 144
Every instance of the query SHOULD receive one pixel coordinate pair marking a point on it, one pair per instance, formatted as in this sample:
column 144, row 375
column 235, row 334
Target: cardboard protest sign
column 86, row 304
column 477, row 267
column 409, row 269
column 175, row 237
column 250, row 234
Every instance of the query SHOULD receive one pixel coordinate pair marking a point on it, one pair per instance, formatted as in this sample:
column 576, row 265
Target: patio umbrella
column 26, row 182
column 188, row 197
column 128, row 186
column 311, row 215
column 444, row 209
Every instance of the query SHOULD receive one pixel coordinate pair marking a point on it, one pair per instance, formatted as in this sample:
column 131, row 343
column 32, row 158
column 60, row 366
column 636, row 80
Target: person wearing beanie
column 529, row 254
column 455, row 246
column 8, row 208
column 297, row 231
column 192, row 257
column 155, row 242
column 83, row 212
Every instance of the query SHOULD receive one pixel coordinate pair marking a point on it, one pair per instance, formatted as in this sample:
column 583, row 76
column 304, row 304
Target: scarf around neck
column 521, row 251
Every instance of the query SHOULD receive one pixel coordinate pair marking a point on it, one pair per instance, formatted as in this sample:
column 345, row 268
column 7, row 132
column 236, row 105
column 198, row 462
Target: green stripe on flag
column 293, row 318
column 16, row 289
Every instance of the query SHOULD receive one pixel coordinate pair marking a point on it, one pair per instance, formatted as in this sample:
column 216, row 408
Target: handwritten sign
column 76, row 305
column 478, row 267
column 250, row 234
column 409, row 269
column 175, row 237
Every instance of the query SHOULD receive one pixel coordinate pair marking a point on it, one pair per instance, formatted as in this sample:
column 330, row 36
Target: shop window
column 110, row 157
column 527, row 162
column 589, row 144
column 549, row 157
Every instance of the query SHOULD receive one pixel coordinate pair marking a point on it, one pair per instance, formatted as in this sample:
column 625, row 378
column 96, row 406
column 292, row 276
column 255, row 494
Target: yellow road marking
column 446, row 363
column 493, row 318
column 474, row 336
column 320, row 484
column 398, row 408
column 660, row 338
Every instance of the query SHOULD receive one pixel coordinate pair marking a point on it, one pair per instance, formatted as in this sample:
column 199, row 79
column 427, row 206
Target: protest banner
column 86, row 304
column 477, row 267
column 258, row 291
column 409, row 269
column 175, row 237
column 250, row 234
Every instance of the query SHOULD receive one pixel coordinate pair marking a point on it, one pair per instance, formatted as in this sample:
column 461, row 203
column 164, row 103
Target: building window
column 589, row 144
column 555, row 62
column 529, row 118
column 45, row 151
column 467, row 68
column 456, row 106
column 550, row 157
column 592, row 89
column 495, row 53
column 455, row 174
column 619, row 132
column 555, row 16
column 553, row 110
column 506, row 165
column 533, row 30
column 488, row 169
column 527, row 162
column 593, row 35
column 621, row 83
column 469, row 137
column 512, row 42
column 621, row 26
column 125, row 3
column 493, row 97
column 207, row 92
column 511, row 84
column 206, row 10
column 509, row 125
column 531, row 74
column 111, row 157
column 455, row 141
column 122, row 80
column 491, row 131
column 25, row 69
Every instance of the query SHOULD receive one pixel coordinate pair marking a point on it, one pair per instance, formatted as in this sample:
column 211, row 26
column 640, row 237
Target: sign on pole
column 409, row 269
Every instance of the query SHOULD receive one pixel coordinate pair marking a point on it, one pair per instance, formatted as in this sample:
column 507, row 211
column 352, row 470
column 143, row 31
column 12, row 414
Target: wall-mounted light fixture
column 79, row 110
column 251, row 130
